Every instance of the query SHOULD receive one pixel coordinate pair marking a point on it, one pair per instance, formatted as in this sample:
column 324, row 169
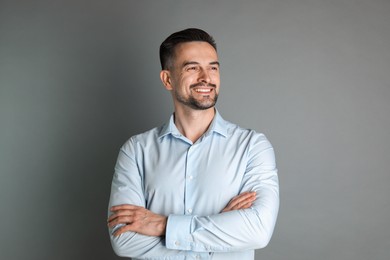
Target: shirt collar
column 218, row 125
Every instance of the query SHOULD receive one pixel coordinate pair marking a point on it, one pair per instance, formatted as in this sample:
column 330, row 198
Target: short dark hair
column 167, row 48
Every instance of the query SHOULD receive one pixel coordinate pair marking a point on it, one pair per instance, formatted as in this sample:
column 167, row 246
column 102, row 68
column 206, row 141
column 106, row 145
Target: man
column 198, row 187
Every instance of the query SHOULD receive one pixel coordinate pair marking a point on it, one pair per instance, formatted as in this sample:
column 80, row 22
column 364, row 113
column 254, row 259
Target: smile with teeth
column 203, row 90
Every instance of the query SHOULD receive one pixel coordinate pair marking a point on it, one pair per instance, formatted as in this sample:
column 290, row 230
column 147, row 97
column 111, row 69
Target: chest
column 202, row 177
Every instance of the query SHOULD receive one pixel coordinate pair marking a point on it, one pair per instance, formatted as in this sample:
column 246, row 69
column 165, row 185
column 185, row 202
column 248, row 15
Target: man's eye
column 192, row 68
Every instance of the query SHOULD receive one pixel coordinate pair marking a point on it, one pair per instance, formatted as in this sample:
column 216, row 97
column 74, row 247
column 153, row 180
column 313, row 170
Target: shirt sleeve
column 127, row 189
column 238, row 229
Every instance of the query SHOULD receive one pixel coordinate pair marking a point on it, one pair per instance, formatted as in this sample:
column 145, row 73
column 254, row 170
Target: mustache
column 201, row 84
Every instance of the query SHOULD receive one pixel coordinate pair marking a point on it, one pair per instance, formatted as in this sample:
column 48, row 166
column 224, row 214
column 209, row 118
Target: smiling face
column 193, row 78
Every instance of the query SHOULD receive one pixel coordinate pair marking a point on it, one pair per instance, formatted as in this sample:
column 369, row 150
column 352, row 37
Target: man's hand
column 241, row 201
column 143, row 221
column 137, row 219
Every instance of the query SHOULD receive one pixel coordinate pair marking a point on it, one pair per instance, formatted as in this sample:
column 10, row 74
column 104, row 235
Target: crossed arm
column 145, row 222
column 246, row 223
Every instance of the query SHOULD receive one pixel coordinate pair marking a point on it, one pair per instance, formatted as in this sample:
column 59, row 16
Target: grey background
column 78, row 78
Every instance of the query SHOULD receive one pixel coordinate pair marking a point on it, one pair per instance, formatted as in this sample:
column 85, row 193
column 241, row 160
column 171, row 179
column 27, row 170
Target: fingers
column 136, row 219
column 246, row 196
column 120, row 220
column 241, row 201
column 121, row 213
column 245, row 205
column 125, row 214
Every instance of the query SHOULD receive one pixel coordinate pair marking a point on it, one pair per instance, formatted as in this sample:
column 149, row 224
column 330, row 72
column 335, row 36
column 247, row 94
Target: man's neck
column 193, row 123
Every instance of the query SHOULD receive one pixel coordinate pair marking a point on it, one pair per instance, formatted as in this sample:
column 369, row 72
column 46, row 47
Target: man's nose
column 204, row 76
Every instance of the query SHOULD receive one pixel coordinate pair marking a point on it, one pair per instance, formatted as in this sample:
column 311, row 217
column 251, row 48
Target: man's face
column 195, row 75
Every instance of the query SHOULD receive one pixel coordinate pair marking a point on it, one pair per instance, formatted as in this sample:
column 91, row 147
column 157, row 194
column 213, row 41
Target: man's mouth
column 203, row 90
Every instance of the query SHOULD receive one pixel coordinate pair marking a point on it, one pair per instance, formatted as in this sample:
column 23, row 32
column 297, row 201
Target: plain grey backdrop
column 78, row 78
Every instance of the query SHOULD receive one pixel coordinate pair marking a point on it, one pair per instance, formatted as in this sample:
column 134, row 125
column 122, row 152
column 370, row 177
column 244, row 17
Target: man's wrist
column 163, row 226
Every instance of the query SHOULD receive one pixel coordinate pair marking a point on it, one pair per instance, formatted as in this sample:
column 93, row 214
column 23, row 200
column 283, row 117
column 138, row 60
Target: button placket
column 189, row 179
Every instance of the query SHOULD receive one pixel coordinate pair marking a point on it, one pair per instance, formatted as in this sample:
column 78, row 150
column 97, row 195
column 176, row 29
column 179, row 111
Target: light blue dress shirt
column 191, row 183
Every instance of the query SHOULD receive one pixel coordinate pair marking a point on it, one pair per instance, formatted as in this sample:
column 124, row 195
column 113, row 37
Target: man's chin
column 203, row 108
column 196, row 104
column 202, row 105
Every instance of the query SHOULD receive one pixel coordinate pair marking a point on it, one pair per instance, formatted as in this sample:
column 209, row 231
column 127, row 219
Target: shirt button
column 189, row 210
column 197, row 257
column 177, row 243
column 190, row 177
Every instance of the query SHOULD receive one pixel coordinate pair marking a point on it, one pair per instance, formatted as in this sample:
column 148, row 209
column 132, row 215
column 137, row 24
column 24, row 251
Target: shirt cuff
column 178, row 232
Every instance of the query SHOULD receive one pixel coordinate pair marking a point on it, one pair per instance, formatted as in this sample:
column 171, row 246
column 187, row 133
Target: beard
column 205, row 103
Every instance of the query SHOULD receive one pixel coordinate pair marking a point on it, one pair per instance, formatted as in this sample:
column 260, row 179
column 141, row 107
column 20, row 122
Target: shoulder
column 142, row 139
column 251, row 139
column 235, row 130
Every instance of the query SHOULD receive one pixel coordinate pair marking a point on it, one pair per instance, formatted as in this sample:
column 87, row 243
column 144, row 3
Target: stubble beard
column 206, row 102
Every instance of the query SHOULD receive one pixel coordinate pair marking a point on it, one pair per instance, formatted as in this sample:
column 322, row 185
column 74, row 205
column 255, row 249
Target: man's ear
column 165, row 77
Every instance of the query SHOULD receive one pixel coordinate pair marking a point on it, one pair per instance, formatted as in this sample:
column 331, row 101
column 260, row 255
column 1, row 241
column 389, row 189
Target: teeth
column 202, row 90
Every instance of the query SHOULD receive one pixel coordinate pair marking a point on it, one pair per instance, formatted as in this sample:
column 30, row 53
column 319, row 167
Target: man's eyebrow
column 186, row 63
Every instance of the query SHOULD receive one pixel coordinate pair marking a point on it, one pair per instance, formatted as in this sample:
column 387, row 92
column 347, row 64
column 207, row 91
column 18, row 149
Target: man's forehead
column 194, row 46
column 192, row 51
